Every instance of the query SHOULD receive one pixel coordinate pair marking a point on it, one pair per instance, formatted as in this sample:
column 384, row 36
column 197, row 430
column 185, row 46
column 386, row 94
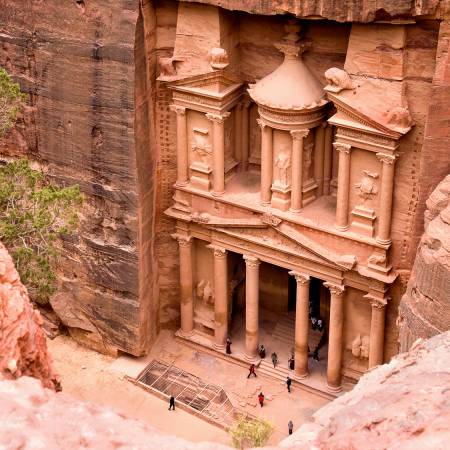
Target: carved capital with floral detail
column 261, row 124
column 219, row 252
column 251, row 261
column 299, row 134
column 336, row 289
column 218, row 118
column 183, row 241
column 179, row 110
column 376, row 302
column 386, row 158
column 343, row 148
column 300, row 278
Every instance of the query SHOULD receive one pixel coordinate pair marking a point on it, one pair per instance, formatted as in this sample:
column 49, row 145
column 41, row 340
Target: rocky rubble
column 23, row 346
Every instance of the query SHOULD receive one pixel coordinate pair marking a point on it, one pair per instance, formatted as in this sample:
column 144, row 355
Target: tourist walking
column 262, row 351
column 228, row 350
column 288, row 383
column 290, row 426
column 261, row 399
column 251, row 371
column 274, row 359
column 172, row 403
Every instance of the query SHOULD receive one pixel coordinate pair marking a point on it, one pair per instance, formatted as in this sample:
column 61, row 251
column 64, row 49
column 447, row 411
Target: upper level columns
column 319, row 150
column 251, row 307
column 298, row 137
column 266, row 162
column 386, row 191
column 301, row 324
column 342, row 203
column 328, row 159
column 186, row 285
column 377, row 325
column 182, row 150
column 245, row 133
column 218, row 152
column 334, row 368
column 220, row 297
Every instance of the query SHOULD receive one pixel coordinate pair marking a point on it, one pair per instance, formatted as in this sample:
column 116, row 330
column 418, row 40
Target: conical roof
column 291, row 86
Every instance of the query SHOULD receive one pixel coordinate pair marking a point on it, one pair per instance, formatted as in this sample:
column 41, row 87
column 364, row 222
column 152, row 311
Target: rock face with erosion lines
column 23, row 346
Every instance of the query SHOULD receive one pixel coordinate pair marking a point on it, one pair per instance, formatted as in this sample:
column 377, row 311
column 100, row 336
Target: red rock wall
column 23, row 346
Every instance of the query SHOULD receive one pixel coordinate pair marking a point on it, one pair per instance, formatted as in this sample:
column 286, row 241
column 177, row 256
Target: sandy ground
column 89, row 376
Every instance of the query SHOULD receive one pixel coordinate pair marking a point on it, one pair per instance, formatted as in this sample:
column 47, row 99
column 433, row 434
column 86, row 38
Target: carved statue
column 377, row 259
column 360, row 347
column 204, row 292
column 307, row 162
column 366, row 187
column 218, row 58
column 282, row 163
column 399, row 117
column 167, row 66
column 200, row 147
column 338, row 80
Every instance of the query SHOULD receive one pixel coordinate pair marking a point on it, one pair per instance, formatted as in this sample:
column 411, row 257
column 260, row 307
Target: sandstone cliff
column 23, row 347
column 425, row 308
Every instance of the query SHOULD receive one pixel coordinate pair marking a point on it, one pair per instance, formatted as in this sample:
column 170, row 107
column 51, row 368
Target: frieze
column 366, row 136
column 292, row 118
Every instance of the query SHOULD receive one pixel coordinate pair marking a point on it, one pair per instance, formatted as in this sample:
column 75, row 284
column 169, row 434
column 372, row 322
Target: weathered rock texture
column 84, row 66
column 404, row 404
column 23, row 346
column 425, row 308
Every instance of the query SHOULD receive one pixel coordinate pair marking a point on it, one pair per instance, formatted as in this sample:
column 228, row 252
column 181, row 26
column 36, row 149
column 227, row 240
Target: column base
column 264, row 203
column 181, row 183
column 293, row 210
column 217, row 194
column 185, row 334
column 334, row 389
column 219, row 347
column 383, row 241
column 251, row 359
column 302, row 376
column 341, row 227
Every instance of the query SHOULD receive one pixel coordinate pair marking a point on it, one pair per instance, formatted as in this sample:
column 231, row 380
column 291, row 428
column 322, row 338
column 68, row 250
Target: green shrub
column 248, row 432
column 10, row 101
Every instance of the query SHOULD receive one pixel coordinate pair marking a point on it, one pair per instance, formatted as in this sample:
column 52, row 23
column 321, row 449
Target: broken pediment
column 371, row 105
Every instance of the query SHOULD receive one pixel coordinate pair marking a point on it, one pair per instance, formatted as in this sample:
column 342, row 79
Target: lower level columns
column 301, row 324
column 334, row 367
column 377, row 323
column 220, row 297
column 186, row 285
column 251, row 307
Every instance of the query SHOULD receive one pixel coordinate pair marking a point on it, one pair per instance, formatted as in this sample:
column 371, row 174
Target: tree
column 10, row 101
column 250, row 432
column 34, row 214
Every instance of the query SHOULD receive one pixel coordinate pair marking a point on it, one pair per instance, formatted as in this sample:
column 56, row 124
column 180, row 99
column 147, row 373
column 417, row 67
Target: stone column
column 251, row 307
column 238, row 132
column 298, row 137
column 182, row 149
column 301, row 324
column 376, row 343
column 245, row 133
column 186, row 285
column 220, row 297
column 334, row 367
column 218, row 152
column 328, row 160
column 342, row 203
column 266, row 162
column 319, row 150
column 387, row 187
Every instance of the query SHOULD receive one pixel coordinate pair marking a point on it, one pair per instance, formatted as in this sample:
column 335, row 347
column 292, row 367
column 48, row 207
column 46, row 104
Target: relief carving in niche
column 282, row 172
column 201, row 149
column 360, row 347
column 229, row 145
column 307, row 162
column 204, row 305
column 367, row 186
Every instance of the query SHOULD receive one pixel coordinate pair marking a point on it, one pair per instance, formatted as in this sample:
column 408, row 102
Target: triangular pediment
column 285, row 239
column 374, row 106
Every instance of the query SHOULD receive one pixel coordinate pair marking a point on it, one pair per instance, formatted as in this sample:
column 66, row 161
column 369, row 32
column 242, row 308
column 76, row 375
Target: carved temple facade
column 286, row 178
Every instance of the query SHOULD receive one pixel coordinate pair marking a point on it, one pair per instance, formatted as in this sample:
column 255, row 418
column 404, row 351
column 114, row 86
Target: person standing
column 290, row 426
column 228, row 349
column 172, row 403
column 291, row 363
column 262, row 351
column 251, row 371
column 274, row 359
column 288, row 383
column 261, row 399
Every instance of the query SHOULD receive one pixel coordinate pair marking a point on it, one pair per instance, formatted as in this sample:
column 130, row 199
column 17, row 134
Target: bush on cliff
column 248, row 432
column 10, row 101
column 34, row 213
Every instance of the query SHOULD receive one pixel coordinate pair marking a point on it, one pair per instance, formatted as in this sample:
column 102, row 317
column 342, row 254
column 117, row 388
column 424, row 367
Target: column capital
column 262, row 124
column 245, row 103
column 335, row 289
column 183, row 241
column 377, row 302
column 300, row 278
column 219, row 252
column 251, row 261
column 299, row 134
column 179, row 110
column 324, row 124
column 341, row 147
column 385, row 158
column 218, row 118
